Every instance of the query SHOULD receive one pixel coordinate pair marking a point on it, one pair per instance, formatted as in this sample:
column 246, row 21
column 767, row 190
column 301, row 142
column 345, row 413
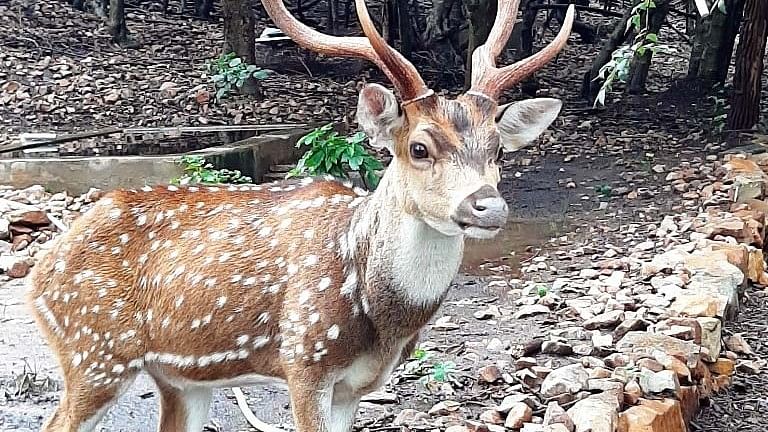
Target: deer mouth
column 478, row 231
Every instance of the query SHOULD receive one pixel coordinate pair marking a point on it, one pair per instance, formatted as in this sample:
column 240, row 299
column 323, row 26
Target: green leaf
column 235, row 62
column 261, row 74
column 653, row 37
column 355, row 162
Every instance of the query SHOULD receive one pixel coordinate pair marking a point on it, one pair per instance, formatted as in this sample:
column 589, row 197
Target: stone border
column 252, row 156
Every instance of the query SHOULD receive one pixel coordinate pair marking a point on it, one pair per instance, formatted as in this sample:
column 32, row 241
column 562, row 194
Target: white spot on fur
column 333, row 332
column 324, row 283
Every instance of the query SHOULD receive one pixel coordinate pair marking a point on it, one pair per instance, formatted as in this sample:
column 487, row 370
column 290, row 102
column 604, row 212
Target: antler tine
column 489, row 80
column 410, row 84
column 372, row 47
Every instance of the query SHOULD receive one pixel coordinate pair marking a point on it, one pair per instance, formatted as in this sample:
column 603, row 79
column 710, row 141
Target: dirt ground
column 594, row 184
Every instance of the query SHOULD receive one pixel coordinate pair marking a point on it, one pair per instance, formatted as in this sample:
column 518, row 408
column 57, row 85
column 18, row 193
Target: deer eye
column 419, row 151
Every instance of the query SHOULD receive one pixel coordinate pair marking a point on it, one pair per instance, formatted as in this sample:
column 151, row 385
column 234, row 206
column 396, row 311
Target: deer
column 310, row 283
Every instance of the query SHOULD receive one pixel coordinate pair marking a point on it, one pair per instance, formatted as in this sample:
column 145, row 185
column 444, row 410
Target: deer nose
column 484, row 209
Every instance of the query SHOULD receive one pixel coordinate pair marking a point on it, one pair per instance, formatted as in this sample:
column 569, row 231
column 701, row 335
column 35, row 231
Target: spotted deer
column 311, row 282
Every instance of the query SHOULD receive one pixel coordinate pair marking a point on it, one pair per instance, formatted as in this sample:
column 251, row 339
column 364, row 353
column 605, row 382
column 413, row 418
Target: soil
column 593, row 179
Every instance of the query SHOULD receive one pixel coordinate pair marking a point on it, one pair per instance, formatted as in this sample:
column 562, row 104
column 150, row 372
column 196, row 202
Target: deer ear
column 378, row 113
column 520, row 123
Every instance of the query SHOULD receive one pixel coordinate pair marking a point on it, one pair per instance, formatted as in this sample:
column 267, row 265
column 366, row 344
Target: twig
column 249, row 415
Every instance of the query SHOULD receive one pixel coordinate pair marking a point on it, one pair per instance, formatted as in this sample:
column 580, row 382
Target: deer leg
column 182, row 410
column 343, row 410
column 83, row 405
column 312, row 407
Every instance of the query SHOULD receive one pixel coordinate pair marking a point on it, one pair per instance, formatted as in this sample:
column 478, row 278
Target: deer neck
column 403, row 266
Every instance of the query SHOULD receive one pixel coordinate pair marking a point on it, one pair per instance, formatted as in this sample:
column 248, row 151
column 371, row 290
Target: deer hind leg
column 83, row 404
column 343, row 411
column 182, row 409
column 311, row 406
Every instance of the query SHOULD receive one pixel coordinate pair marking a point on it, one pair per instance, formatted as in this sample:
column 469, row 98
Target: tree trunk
column 713, row 43
column 589, row 86
column 203, row 8
column 641, row 64
column 480, row 14
column 117, row 27
column 240, row 36
column 747, row 84
column 404, row 28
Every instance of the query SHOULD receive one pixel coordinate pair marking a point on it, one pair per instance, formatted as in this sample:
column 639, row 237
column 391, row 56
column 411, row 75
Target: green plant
column 604, row 190
column 618, row 67
column 331, row 153
column 720, row 112
column 541, row 290
column 228, row 71
column 198, row 170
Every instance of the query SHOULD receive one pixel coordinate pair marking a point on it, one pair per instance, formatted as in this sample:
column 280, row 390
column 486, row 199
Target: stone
column 525, row 362
column 737, row 344
column 632, row 392
column 444, row 408
column 518, row 414
column 555, row 347
column 457, row 428
column 666, row 261
column 5, row 229
column 673, row 364
column 602, row 340
column 616, row 360
column 593, row 415
column 653, row 416
column 628, row 325
column 492, row 311
column 556, row 414
column 604, row 320
column 491, row 416
column 697, row 305
column 530, row 310
column 723, row 366
column 19, row 270
column 650, row 364
column 749, row 367
column 589, row 273
column 496, row 345
column 509, row 401
column 33, row 218
column 689, row 402
column 711, row 335
column 569, row 379
column 489, row 374
column 644, row 343
column 557, row 427
column 408, row 417
column 600, row 372
column 659, row 382
column 475, row 426
column 716, row 278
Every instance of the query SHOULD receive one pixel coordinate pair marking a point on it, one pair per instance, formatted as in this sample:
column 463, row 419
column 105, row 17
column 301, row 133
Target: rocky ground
column 549, row 318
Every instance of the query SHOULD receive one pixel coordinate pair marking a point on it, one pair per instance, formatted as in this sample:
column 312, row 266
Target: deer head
column 445, row 151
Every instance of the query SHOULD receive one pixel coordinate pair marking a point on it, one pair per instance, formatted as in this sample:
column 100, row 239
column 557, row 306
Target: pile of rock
column 31, row 217
column 645, row 325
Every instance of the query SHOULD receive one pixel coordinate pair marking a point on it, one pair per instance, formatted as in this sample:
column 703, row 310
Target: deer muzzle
column 482, row 214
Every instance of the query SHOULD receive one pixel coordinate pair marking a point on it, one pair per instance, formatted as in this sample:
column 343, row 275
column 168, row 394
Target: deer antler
column 373, row 47
column 490, row 81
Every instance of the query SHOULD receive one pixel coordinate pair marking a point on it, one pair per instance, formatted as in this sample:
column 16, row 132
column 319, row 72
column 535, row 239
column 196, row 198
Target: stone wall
column 77, row 175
